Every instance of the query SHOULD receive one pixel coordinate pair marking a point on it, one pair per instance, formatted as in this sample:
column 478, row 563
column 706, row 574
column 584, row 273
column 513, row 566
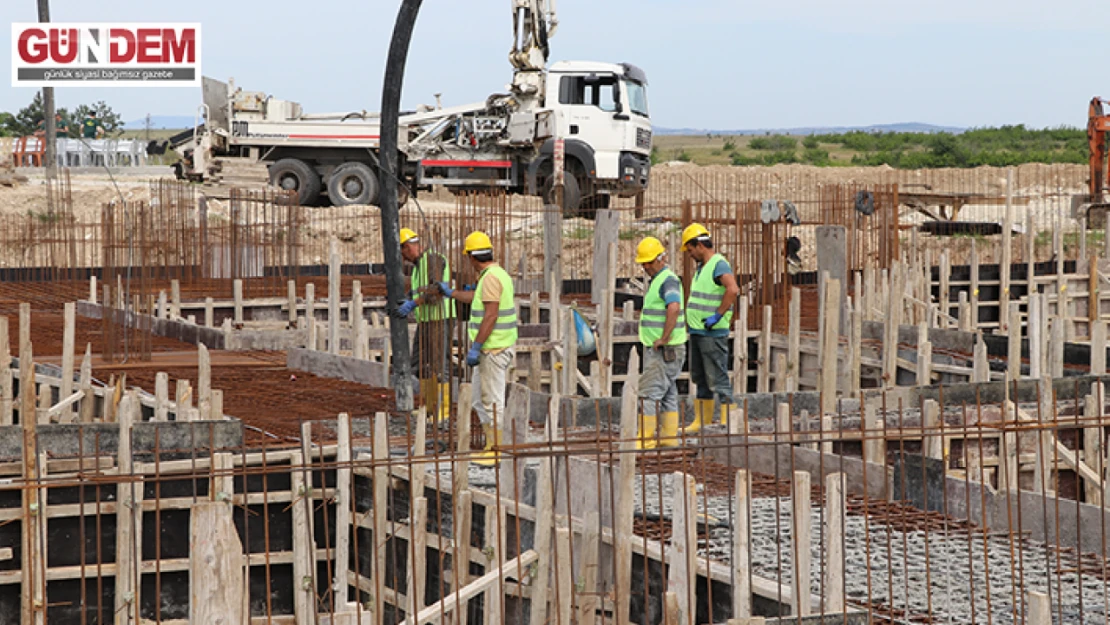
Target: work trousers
column 487, row 385
column 658, row 388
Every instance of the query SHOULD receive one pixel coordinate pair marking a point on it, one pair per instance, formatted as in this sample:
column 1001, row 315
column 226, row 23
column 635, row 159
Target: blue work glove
column 474, row 353
column 446, row 288
column 407, row 307
column 712, row 320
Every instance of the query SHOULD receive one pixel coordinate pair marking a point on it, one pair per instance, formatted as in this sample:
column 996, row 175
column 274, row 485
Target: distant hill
column 818, row 130
column 161, row 122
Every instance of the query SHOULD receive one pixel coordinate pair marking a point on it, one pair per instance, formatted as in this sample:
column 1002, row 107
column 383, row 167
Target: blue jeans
column 657, row 382
column 709, row 368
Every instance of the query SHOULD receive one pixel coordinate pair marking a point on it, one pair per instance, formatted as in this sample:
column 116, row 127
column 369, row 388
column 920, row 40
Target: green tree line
column 26, row 121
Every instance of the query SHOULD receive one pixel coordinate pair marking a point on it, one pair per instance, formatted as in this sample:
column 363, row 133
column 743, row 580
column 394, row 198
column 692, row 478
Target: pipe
column 388, row 176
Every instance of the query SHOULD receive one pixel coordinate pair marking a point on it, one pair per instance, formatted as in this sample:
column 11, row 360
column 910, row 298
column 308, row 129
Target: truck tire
column 572, row 195
column 353, row 183
column 293, row 174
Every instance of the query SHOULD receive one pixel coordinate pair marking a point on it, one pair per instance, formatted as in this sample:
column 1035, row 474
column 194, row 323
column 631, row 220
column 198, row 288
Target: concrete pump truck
column 598, row 110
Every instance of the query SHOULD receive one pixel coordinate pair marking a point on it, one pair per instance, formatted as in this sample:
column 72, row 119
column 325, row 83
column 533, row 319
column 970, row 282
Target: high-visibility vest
column 706, row 296
column 504, row 331
column 654, row 314
column 445, row 307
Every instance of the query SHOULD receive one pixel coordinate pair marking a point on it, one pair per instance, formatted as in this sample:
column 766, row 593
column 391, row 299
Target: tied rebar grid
column 908, row 556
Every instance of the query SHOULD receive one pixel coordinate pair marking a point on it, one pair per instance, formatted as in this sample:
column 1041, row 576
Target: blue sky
column 721, row 64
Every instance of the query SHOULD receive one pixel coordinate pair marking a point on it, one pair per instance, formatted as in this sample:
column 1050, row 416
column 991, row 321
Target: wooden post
column 162, row 311
column 92, row 289
column 1093, row 292
column 1008, row 456
column 834, row 553
column 945, row 276
column 741, row 553
column 215, row 565
column 564, row 575
column 682, row 572
column 175, row 299
column 88, row 402
column 334, row 296
column 963, row 313
column 855, row 346
column 780, row 373
column 217, row 412
column 68, row 340
column 930, row 423
column 1044, row 447
column 874, row 445
column 974, row 286
column 981, row 371
column 623, row 517
column 1031, row 253
column 794, row 341
column 545, row 506
column 129, row 525
column 33, row 521
column 161, row 396
column 1013, row 342
column 7, row 390
column 1040, row 608
column 304, row 545
column 1098, row 347
column 924, row 356
column 553, row 251
column 358, row 308
column 802, row 522
column 605, row 342
column 607, row 224
column 209, row 312
column 495, row 552
column 310, row 314
column 204, row 383
column 343, row 508
column 1033, row 331
column 828, row 375
column 569, row 384
column 893, row 321
column 1092, row 441
column 763, row 381
column 1056, row 348
column 291, row 297
column 1007, row 247
column 740, row 348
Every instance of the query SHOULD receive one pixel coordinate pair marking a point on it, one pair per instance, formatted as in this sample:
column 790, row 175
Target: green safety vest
column 443, row 309
column 654, row 314
column 706, row 296
column 504, row 331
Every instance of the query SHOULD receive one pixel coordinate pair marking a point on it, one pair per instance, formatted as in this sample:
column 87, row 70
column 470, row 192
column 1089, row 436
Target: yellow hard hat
column 477, row 242
column 649, row 249
column 407, row 235
column 692, row 232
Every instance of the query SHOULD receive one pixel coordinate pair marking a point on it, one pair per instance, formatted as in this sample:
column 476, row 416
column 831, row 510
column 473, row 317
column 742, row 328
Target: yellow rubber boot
column 443, row 413
column 489, row 457
column 645, row 438
column 426, row 396
column 703, row 415
column 668, row 430
column 724, row 413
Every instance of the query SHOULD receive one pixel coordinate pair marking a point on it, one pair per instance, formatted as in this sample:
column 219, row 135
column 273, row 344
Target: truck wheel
column 572, row 195
column 291, row 174
column 353, row 183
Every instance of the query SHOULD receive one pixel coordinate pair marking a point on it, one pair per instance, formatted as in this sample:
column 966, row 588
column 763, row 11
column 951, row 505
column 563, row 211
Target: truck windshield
column 637, row 98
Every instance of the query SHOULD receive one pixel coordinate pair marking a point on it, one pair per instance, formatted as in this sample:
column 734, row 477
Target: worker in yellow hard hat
column 663, row 335
column 708, row 316
column 435, row 316
column 493, row 332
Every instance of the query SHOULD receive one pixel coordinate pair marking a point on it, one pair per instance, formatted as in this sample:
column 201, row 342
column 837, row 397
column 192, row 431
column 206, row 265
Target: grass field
column 718, row 149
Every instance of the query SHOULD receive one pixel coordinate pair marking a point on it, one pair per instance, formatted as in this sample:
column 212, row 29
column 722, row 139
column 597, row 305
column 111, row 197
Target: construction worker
column 493, row 332
column 708, row 315
column 90, row 127
column 435, row 317
column 663, row 335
